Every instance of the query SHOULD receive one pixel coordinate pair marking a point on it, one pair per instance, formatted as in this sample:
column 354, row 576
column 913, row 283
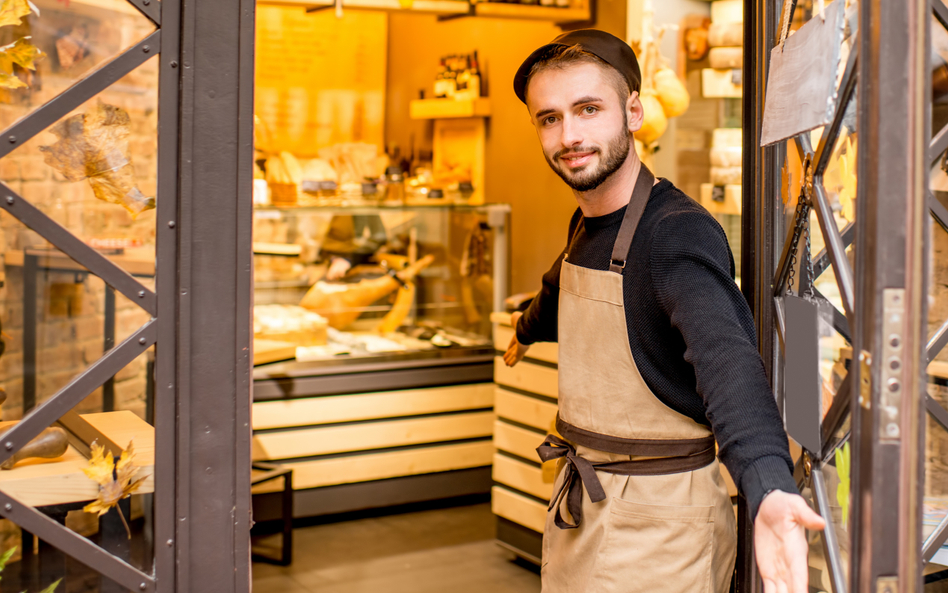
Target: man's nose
column 571, row 133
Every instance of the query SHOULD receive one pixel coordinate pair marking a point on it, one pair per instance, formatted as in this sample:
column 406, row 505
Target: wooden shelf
column 532, row 12
column 439, row 7
column 449, row 108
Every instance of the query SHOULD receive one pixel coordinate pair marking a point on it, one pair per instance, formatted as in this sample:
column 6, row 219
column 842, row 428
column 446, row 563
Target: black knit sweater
column 690, row 330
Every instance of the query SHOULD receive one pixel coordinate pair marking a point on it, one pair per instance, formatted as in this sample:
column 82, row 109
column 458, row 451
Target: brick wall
column 70, row 309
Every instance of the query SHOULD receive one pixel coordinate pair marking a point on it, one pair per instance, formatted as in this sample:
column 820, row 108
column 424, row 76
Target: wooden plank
column 371, row 406
column 518, row 508
column 528, row 377
column 440, row 7
column 448, row 108
column 521, row 476
column 532, row 12
column 38, row 482
column 545, row 351
column 524, row 409
column 267, row 351
column 516, row 440
column 382, row 466
column 375, row 435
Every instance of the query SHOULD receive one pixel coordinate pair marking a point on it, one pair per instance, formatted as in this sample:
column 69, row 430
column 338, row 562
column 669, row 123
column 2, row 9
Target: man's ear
column 634, row 111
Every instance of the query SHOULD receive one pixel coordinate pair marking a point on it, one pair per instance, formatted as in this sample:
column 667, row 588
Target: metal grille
column 160, row 304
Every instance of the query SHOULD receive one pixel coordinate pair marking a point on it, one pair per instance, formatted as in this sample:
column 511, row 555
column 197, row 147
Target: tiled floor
column 444, row 550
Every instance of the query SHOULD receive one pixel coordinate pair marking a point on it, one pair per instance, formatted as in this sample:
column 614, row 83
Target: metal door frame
column 890, row 233
column 201, row 307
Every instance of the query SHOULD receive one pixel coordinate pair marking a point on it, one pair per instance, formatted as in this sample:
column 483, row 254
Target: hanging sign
column 801, row 87
column 802, row 381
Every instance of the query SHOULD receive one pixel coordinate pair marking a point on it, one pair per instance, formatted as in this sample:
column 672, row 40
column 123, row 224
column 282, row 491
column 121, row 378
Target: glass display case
column 345, row 285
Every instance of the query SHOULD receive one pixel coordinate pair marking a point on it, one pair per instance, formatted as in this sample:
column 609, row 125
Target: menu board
column 320, row 80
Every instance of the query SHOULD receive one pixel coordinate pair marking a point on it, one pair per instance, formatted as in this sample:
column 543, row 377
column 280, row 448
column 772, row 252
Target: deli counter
column 373, row 350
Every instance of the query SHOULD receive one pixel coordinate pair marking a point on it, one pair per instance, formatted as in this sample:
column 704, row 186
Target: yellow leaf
column 114, row 479
column 9, row 81
column 100, row 466
column 11, row 11
column 22, row 53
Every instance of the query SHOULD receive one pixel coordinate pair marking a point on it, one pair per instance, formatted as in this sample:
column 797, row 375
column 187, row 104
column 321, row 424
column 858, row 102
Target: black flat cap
column 609, row 48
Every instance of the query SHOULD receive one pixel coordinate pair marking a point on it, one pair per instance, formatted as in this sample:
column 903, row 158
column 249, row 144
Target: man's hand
column 780, row 541
column 516, row 350
column 338, row 268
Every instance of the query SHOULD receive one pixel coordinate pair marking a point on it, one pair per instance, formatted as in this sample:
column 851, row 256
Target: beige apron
column 662, row 520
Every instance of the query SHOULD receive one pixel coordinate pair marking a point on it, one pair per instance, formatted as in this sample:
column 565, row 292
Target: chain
column 801, row 218
column 809, row 260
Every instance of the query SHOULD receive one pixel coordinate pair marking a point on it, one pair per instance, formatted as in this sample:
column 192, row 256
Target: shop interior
column 389, row 143
column 402, row 210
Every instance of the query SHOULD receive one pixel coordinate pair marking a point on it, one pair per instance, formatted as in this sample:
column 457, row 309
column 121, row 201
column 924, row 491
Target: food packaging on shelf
column 726, row 57
column 727, row 156
column 726, row 35
column 726, row 175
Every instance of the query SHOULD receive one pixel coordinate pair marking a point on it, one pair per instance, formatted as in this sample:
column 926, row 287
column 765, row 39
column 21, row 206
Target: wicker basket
column 283, row 194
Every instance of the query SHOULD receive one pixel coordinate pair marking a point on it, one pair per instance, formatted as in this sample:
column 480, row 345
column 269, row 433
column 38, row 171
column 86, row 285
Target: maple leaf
column 11, row 11
column 10, row 81
column 94, row 146
column 22, row 53
column 116, row 480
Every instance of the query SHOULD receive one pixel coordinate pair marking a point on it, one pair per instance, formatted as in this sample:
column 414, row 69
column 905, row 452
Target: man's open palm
column 780, row 541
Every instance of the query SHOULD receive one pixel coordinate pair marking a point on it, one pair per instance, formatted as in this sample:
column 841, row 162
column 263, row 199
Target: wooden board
column 439, row 7
column 801, row 83
column 516, row 440
column 533, row 12
column 371, row 406
column 518, row 508
column 374, row 435
column 524, row 409
column 545, row 351
column 382, row 466
column 521, row 476
column 719, row 84
column 448, row 108
column 267, row 351
column 528, row 377
column 38, row 482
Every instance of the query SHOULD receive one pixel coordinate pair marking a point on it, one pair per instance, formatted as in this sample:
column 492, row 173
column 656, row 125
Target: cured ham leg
column 342, row 304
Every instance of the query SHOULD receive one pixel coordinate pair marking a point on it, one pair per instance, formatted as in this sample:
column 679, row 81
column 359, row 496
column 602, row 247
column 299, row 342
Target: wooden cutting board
column 267, row 351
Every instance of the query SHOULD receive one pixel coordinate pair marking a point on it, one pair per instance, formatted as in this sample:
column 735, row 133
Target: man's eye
column 589, row 109
column 550, row 120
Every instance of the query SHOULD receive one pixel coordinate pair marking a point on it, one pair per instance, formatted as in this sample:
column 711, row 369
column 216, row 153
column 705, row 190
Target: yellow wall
column 516, row 172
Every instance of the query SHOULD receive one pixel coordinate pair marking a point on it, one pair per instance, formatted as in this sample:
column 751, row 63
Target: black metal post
column 108, row 389
column 888, row 337
column 29, row 331
column 215, row 296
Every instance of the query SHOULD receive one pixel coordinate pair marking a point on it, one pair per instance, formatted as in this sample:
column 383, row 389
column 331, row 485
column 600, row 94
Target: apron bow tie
column 580, row 473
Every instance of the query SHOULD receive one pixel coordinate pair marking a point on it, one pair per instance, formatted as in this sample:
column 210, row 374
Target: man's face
column 583, row 127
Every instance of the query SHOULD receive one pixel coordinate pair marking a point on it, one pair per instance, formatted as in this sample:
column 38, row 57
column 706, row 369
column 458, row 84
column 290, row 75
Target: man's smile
column 575, row 160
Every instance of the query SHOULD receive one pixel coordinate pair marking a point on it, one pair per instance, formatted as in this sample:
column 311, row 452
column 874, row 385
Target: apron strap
column 633, row 214
column 581, row 473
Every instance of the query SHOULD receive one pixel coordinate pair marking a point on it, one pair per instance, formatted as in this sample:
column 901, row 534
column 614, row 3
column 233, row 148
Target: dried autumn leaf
column 115, row 480
column 9, row 81
column 22, row 53
column 94, row 146
column 11, row 11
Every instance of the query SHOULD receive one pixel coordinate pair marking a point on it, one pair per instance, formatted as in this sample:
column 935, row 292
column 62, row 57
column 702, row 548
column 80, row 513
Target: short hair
column 561, row 56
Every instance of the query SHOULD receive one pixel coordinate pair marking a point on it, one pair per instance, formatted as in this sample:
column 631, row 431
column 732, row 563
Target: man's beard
column 587, row 179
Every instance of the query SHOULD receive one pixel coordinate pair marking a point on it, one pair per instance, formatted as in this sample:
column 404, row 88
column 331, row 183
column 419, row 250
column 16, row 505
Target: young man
column 658, row 359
